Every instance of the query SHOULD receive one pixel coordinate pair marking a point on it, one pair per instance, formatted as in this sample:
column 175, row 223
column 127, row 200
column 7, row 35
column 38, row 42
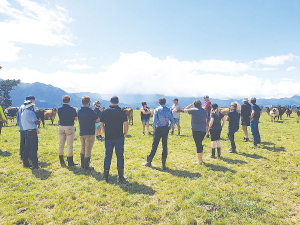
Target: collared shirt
column 113, row 118
column 256, row 110
column 28, row 119
column 19, row 123
column 199, row 117
column 66, row 114
column 162, row 116
column 86, row 117
column 174, row 108
column 234, row 120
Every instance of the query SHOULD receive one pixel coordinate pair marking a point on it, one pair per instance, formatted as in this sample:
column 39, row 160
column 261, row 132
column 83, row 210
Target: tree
column 6, row 86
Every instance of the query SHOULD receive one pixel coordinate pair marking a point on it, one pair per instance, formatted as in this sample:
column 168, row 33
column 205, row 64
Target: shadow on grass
column 274, row 148
column 253, row 156
column 233, row 161
column 128, row 136
column 219, row 168
column 136, row 188
column 5, row 153
column 178, row 173
column 267, row 143
column 44, row 164
column 41, row 173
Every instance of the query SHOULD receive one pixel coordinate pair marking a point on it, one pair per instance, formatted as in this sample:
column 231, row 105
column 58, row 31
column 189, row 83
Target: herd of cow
column 277, row 112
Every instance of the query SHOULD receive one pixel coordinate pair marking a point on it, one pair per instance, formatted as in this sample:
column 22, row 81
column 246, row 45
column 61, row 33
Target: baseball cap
column 30, row 97
column 114, row 100
column 206, row 96
column 245, row 100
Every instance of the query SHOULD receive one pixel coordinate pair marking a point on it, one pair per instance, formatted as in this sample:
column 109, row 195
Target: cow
column 268, row 110
column 129, row 114
column 274, row 113
column 298, row 111
column 224, row 111
column 40, row 115
column 281, row 111
column 288, row 112
column 50, row 114
column 11, row 113
column 151, row 112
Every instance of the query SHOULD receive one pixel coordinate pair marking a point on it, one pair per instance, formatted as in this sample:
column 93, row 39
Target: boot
column 87, row 164
column 105, row 176
column 82, row 161
column 148, row 163
column 35, row 164
column 71, row 162
column 26, row 163
column 255, row 143
column 122, row 179
column 213, row 152
column 61, row 160
column 219, row 152
column 163, row 162
column 231, row 150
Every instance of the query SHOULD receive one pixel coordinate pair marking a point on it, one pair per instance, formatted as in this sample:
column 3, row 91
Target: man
column 176, row 109
column 66, row 130
column 245, row 118
column 112, row 121
column 233, row 117
column 87, row 119
column 29, row 124
column 21, row 130
column 255, row 115
column 2, row 117
column 207, row 107
column 161, row 118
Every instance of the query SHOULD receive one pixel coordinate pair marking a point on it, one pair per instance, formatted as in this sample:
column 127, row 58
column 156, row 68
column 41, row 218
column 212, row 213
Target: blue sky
column 184, row 48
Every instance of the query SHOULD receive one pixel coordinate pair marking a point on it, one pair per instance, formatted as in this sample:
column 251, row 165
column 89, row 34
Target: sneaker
column 98, row 138
column 149, row 133
column 198, row 163
column 143, row 133
column 231, row 150
column 245, row 139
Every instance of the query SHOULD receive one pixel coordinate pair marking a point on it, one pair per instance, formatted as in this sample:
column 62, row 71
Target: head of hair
column 197, row 103
column 253, row 101
column 162, row 101
column 144, row 103
column 85, row 100
column 233, row 104
column 215, row 109
column 66, row 99
column 114, row 100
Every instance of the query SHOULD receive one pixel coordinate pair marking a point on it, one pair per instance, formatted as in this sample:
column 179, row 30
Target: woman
column 215, row 129
column 234, row 118
column 98, row 111
column 145, row 116
column 198, row 125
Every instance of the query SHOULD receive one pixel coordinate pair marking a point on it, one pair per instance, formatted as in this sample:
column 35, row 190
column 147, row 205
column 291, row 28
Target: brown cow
column 288, row 112
column 224, row 111
column 50, row 114
column 129, row 114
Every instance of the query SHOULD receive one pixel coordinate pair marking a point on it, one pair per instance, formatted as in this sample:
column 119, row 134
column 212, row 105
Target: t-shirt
column 176, row 107
column 257, row 110
column 217, row 121
column 98, row 112
column 245, row 111
column 207, row 107
column 198, row 121
column 86, row 117
column 113, row 118
column 234, row 120
column 66, row 114
column 145, row 116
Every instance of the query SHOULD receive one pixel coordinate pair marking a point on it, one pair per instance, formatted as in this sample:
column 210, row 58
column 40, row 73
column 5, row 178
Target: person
column 145, row 116
column 2, row 117
column 163, row 121
column 66, row 130
column 98, row 110
column 114, row 125
column 21, row 130
column 245, row 118
column 29, row 124
column 215, row 129
column 87, row 119
column 255, row 115
column 199, row 124
column 207, row 107
column 176, row 109
column 233, row 117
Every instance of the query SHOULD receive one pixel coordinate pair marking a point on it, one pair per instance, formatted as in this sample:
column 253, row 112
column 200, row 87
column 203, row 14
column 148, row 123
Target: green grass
column 256, row 186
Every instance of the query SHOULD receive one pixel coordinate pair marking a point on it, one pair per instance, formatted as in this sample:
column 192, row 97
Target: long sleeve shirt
column 163, row 116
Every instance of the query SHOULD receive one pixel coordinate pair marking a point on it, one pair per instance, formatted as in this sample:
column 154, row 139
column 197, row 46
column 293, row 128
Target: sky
column 224, row 49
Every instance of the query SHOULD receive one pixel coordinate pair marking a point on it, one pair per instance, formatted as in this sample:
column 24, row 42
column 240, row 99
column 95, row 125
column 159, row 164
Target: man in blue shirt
column 234, row 118
column 29, row 124
column 87, row 119
column 22, row 132
column 112, row 121
column 163, row 121
column 66, row 130
column 255, row 115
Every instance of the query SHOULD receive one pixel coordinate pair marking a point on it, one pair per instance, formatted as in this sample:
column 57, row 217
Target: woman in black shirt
column 145, row 116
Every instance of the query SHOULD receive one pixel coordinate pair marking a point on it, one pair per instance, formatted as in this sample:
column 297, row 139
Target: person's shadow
column 233, row 161
column 253, row 156
column 41, row 173
column 178, row 173
column 219, row 168
column 4, row 153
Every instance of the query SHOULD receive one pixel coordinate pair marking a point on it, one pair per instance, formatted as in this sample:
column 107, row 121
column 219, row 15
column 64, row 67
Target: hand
column 125, row 135
column 38, row 131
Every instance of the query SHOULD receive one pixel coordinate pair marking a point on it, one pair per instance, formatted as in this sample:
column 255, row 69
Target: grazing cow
column 40, row 115
column 274, row 113
column 288, row 112
column 50, row 114
column 129, row 114
column 281, row 111
column 11, row 113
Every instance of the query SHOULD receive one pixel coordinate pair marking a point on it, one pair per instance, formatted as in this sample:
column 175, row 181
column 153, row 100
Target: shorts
column 177, row 121
column 215, row 135
column 97, row 125
column 245, row 122
column 145, row 120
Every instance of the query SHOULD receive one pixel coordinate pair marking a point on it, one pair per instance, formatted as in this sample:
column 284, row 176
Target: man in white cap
column 245, row 118
column 176, row 110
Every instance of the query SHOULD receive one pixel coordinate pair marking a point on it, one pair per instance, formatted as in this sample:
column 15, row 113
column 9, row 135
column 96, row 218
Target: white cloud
column 34, row 24
column 266, row 69
column 276, row 60
column 78, row 66
column 291, row 68
column 92, row 58
column 68, row 61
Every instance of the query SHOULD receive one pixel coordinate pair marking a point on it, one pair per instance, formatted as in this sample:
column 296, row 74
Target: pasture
column 256, row 186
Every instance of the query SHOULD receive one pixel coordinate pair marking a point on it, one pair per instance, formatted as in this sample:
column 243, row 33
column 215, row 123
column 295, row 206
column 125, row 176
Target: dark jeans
column 31, row 146
column 119, row 148
column 160, row 133
column 231, row 138
column 254, row 130
column 22, row 144
column 198, row 138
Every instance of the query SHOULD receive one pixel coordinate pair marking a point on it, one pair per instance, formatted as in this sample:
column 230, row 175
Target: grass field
column 256, row 186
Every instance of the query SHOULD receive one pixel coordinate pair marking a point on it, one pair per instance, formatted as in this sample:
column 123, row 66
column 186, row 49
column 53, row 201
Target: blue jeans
column 160, row 133
column 119, row 148
column 254, row 130
column 31, row 146
column 231, row 138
